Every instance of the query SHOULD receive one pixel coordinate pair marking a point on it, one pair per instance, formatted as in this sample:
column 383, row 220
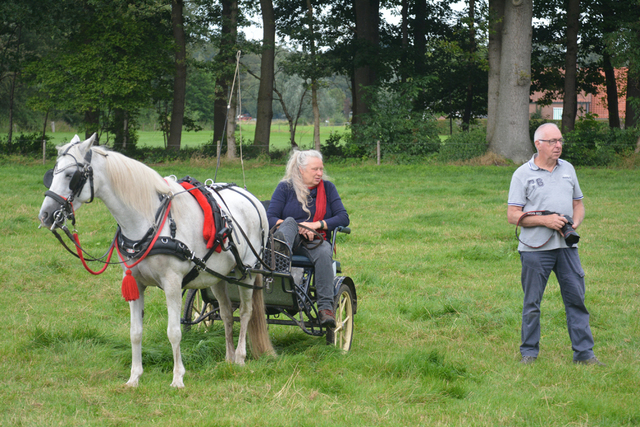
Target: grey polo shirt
column 536, row 189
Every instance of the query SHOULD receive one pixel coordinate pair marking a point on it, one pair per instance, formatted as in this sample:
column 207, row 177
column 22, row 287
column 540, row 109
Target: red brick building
column 587, row 103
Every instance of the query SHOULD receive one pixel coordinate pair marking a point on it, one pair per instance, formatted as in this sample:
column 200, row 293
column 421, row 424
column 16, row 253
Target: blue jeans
column 536, row 268
column 321, row 257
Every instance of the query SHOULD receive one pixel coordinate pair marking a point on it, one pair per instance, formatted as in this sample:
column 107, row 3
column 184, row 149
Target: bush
column 28, row 145
column 405, row 135
column 332, row 146
column 594, row 143
column 464, row 146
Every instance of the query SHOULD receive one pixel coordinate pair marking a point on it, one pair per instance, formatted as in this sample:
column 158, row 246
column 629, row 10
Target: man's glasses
column 553, row 142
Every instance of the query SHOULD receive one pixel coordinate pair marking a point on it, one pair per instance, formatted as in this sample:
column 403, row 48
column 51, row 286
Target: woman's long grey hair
column 299, row 160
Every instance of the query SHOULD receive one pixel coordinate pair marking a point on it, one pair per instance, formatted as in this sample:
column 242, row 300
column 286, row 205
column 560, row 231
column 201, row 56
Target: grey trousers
column 321, row 258
column 536, row 268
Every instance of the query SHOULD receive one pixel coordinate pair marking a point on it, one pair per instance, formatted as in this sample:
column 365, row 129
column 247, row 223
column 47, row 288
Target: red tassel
column 129, row 287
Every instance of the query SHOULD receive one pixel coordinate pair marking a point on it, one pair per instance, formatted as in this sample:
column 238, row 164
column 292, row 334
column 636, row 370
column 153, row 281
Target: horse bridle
column 77, row 183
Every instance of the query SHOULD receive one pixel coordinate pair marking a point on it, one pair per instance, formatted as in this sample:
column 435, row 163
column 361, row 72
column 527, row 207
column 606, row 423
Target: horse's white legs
column 136, row 308
column 245, row 314
column 173, row 295
column 226, row 313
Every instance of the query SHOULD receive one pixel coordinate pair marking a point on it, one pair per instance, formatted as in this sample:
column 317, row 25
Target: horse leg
column 136, row 309
column 173, row 295
column 226, row 314
column 245, row 314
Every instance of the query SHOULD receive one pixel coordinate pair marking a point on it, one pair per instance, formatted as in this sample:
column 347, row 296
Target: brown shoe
column 593, row 361
column 327, row 318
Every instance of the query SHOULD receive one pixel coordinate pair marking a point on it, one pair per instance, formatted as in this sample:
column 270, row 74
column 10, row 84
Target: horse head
column 67, row 183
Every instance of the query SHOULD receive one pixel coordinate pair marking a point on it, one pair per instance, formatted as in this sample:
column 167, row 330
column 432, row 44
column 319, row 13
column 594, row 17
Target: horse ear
column 75, row 139
column 92, row 139
column 87, row 143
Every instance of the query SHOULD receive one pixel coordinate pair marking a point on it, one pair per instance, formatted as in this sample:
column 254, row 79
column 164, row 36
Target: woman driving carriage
column 304, row 204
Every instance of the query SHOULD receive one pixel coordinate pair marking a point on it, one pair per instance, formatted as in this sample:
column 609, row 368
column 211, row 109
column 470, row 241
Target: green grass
column 279, row 136
column 437, row 331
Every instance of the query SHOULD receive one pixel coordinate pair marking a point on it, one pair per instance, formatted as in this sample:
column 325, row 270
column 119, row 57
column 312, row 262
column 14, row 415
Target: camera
column 570, row 235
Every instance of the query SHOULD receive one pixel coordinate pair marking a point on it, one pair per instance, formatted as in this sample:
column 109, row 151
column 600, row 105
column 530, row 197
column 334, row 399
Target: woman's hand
column 308, row 234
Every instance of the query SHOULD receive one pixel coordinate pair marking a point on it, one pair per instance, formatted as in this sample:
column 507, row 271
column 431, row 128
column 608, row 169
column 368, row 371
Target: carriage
column 166, row 239
column 289, row 297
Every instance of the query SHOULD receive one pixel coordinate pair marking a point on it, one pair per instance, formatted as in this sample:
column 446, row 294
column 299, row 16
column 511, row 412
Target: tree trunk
column 496, row 15
column 633, row 98
column 91, row 123
column 511, row 133
column 180, row 80
column 219, row 109
column 11, row 100
column 419, row 38
column 231, row 129
column 316, row 116
column 466, row 116
column 125, row 130
column 612, row 91
column 226, row 58
column 314, row 80
column 367, row 14
column 420, row 49
column 570, row 101
column 405, row 37
column 265, row 91
column 44, row 128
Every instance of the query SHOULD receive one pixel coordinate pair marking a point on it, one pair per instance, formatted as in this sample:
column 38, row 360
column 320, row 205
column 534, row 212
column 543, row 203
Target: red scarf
column 321, row 207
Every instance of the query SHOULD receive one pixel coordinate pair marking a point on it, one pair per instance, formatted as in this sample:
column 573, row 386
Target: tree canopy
column 103, row 64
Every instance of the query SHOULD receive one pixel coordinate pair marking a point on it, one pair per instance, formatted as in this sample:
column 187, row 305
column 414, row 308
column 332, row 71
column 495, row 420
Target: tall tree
column 367, row 20
column 494, row 49
column 612, row 91
column 225, row 60
column 570, row 100
column 468, row 108
column 314, row 78
column 510, row 136
column 632, row 104
column 265, row 92
column 180, row 76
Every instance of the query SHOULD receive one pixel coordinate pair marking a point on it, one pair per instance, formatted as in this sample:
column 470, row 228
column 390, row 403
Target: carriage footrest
column 282, row 257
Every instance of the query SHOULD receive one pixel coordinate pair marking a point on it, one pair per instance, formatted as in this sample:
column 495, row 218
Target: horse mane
column 135, row 183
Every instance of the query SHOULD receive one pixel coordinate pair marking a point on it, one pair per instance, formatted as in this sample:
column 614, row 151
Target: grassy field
column 437, row 331
column 279, row 136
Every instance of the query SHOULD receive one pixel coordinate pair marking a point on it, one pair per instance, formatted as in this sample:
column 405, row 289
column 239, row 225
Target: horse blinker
column 48, row 178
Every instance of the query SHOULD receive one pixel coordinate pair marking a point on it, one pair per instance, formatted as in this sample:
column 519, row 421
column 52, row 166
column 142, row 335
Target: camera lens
column 570, row 235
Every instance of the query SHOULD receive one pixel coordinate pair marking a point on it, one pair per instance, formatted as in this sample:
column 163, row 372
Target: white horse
column 134, row 193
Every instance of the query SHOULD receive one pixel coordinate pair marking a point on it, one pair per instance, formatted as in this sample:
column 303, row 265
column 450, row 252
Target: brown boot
column 327, row 318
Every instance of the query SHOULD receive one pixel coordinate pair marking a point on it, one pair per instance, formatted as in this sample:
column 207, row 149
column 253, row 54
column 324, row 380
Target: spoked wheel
column 194, row 307
column 342, row 335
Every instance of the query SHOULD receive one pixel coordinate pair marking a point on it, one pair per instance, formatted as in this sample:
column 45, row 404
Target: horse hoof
column 177, row 384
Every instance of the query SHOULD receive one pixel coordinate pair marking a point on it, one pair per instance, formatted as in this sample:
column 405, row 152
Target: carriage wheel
column 194, row 307
column 342, row 335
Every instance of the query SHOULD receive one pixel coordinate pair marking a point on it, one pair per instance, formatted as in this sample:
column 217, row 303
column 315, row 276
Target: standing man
column 542, row 192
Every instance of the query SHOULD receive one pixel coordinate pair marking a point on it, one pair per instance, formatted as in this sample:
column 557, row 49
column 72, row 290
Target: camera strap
column 533, row 213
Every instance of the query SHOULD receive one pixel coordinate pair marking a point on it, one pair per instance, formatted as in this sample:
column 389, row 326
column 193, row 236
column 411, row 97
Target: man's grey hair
column 541, row 131
column 299, row 160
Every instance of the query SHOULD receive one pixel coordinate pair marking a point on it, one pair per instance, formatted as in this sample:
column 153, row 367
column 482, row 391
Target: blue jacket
column 284, row 204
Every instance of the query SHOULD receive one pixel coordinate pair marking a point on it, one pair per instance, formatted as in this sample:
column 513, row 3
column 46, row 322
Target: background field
column 279, row 136
column 437, row 331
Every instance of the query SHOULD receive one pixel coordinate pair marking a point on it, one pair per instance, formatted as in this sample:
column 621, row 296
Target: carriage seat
column 302, row 261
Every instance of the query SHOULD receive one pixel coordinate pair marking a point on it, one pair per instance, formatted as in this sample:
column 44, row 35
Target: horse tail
column 257, row 328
